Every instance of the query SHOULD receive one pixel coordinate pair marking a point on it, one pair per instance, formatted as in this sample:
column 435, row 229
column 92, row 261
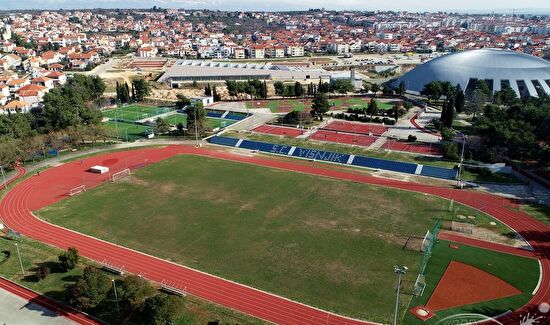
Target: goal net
column 121, row 174
column 77, row 190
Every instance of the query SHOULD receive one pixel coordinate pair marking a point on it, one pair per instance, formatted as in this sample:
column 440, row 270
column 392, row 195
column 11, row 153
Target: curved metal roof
column 500, row 66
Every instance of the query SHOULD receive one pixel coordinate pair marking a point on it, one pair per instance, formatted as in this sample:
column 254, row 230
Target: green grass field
column 338, row 103
column 319, row 241
column 213, row 122
column 522, row 273
column 34, row 254
column 135, row 112
column 126, row 131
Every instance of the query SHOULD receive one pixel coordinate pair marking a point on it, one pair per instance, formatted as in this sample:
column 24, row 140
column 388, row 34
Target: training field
column 135, row 112
column 126, row 131
column 328, row 243
column 174, row 119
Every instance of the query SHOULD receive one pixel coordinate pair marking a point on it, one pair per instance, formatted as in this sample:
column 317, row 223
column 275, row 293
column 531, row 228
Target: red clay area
column 278, row 130
column 422, row 148
column 46, row 302
column 54, row 184
column 351, row 127
column 343, row 137
column 463, row 284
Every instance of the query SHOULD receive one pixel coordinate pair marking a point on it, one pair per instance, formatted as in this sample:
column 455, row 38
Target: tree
column 375, row 88
column 134, row 290
column 89, row 290
column 161, row 309
column 69, row 259
column 395, row 110
column 476, row 100
column 298, row 89
column 263, row 91
column 207, row 90
column 324, row 87
column 341, row 86
column 432, row 90
column 506, row 96
column 319, row 105
column 161, row 126
column 460, row 99
column 448, row 111
column 196, row 119
column 182, row 101
column 450, row 150
column 141, row 89
column 215, row 94
column 279, row 88
column 288, row 91
column 42, row 272
column 372, row 108
column 401, row 89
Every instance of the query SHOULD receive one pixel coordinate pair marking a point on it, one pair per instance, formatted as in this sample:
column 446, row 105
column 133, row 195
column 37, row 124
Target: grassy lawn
column 126, row 131
column 537, row 211
column 35, row 254
column 478, row 177
column 315, row 240
column 337, row 103
column 176, row 118
column 522, row 273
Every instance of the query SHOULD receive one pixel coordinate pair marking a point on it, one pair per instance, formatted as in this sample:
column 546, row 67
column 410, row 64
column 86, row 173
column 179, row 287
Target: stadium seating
column 391, row 165
column 224, row 141
column 438, row 172
column 334, row 157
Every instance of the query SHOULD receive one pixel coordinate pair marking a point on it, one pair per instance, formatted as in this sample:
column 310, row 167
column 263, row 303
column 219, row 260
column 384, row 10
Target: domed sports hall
column 527, row 75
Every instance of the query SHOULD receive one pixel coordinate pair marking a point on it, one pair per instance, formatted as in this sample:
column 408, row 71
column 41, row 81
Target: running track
column 53, row 184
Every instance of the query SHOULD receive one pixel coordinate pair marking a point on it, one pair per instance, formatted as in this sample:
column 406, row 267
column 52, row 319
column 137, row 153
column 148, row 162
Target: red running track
column 43, row 301
column 52, row 185
column 278, row 130
column 343, row 137
column 352, row 127
column 423, row 129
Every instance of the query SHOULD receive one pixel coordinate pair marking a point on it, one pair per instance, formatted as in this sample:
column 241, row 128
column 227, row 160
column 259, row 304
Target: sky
column 505, row 6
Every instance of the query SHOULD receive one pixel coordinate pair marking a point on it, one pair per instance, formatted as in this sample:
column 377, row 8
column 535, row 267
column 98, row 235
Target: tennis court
column 363, row 128
column 343, row 137
column 278, row 130
column 415, row 147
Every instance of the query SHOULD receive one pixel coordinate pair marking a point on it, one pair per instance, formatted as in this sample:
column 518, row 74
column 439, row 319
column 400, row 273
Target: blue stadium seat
column 438, row 172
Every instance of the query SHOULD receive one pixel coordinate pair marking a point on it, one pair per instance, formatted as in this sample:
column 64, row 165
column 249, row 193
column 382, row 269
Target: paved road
column 16, row 310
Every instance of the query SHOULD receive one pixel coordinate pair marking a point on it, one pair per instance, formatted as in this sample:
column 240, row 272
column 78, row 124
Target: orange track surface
column 53, row 185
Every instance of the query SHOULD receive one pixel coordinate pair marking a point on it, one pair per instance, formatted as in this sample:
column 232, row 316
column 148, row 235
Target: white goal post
column 121, row 174
column 77, row 190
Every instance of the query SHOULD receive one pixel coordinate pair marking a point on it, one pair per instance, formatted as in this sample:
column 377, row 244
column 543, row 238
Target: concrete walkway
column 18, row 311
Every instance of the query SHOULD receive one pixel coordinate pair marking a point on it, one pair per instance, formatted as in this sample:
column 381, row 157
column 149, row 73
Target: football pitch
column 135, row 112
column 327, row 243
column 126, row 131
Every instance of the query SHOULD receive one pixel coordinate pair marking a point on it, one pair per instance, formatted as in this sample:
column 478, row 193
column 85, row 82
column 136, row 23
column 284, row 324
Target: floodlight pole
column 116, row 295
column 20, row 261
column 400, row 270
column 461, row 160
column 4, row 178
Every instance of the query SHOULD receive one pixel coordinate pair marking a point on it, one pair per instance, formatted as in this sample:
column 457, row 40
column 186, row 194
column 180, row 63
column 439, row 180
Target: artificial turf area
column 135, row 112
column 328, row 243
column 174, row 119
column 520, row 272
column 126, row 131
